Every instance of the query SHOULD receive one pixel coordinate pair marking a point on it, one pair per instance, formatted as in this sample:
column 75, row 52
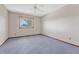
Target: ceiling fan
column 37, row 8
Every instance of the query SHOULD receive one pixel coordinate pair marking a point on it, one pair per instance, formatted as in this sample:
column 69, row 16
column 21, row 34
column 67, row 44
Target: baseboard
column 3, row 42
column 43, row 35
column 24, row 36
column 61, row 40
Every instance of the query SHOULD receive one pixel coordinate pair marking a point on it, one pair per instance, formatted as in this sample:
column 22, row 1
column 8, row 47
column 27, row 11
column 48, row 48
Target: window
column 26, row 22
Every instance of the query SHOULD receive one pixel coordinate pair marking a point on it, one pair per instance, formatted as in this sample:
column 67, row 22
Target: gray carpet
column 37, row 45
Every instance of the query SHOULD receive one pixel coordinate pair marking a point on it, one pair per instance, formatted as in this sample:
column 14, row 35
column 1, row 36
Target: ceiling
column 41, row 10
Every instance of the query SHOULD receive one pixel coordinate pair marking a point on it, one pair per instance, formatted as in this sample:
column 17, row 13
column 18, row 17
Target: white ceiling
column 29, row 8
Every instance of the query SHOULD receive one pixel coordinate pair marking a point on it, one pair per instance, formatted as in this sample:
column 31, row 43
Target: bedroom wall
column 63, row 24
column 14, row 30
column 3, row 24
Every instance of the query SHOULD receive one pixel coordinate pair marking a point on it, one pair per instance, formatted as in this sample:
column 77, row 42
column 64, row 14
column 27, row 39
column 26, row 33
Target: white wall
column 3, row 24
column 14, row 30
column 63, row 24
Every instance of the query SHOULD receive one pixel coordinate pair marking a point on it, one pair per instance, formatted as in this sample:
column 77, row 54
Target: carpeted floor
column 37, row 45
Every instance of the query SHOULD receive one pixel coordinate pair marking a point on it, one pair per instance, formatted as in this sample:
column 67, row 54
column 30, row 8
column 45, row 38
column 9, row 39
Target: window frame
column 29, row 18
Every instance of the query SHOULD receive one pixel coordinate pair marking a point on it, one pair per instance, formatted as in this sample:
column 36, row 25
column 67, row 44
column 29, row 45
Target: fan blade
column 39, row 9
